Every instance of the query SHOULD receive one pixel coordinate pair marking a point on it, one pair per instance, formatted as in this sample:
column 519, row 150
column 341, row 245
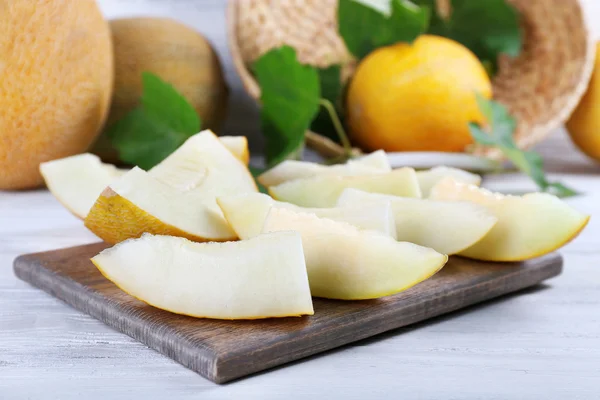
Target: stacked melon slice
column 354, row 231
column 77, row 181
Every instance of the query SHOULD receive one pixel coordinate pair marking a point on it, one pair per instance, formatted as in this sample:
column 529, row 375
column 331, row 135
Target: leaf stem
column 337, row 124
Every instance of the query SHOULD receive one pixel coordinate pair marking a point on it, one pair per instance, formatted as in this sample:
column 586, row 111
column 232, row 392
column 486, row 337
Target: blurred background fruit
column 584, row 124
column 174, row 52
column 540, row 87
column 56, row 81
column 416, row 97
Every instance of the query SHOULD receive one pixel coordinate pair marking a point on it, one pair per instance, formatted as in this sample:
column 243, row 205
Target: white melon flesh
column 445, row 226
column 205, row 166
column 429, row 178
column 238, row 146
column 258, row 278
column 176, row 197
column 246, row 214
column 138, row 203
column 77, row 181
column 528, row 226
column 347, row 263
column 291, row 169
column 377, row 159
column 323, row 191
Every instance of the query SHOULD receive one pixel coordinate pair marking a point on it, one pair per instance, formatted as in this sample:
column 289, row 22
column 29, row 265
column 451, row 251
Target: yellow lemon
column 416, row 97
column 584, row 124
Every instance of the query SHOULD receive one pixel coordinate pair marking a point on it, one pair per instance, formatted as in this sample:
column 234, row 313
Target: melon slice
column 528, row 226
column 138, row 203
column 77, row 181
column 445, row 226
column 246, row 214
column 238, row 146
column 323, row 191
column 348, row 263
column 204, row 165
column 258, row 278
column 428, row 178
column 291, row 169
column 377, row 159
column 177, row 197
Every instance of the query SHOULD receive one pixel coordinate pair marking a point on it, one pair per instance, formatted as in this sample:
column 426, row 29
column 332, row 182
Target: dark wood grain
column 225, row 350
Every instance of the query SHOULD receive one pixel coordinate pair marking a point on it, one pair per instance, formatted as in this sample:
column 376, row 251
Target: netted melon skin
column 56, row 75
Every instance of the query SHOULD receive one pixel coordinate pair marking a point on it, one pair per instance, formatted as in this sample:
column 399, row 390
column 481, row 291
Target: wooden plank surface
column 226, row 350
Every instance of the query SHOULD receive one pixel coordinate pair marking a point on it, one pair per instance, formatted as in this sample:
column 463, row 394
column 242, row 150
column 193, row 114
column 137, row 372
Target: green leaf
column 560, row 190
column 155, row 128
column 331, row 90
column 290, row 95
column 504, row 124
column 533, row 166
column 364, row 28
column 485, row 106
column 359, row 25
column 501, row 126
column 330, row 79
column 406, row 22
column 329, row 119
column 480, row 136
column 487, row 27
column 165, row 103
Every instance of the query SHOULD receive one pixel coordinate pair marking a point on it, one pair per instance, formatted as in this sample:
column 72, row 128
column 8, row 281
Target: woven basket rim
column 246, row 77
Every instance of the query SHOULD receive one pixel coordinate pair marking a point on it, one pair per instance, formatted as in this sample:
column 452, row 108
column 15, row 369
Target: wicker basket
column 541, row 87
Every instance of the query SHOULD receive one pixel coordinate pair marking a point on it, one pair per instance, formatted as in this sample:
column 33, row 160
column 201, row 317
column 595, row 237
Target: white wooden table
column 543, row 343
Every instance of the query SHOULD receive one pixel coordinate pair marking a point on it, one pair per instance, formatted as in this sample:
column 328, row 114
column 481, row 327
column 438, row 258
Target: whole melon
column 55, row 83
column 177, row 54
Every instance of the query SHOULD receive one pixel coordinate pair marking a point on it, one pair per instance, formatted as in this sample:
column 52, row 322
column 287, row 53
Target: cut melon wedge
column 323, row 191
column 77, row 181
column 246, row 214
column 347, row 263
column 291, row 169
column 429, row 178
column 138, row 203
column 177, row 197
column 238, row 146
column 445, row 226
column 377, row 159
column 258, row 278
column 204, row 165
column 528, row 226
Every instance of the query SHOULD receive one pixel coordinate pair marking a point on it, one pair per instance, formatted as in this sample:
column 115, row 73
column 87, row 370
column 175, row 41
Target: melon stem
column 337, row 124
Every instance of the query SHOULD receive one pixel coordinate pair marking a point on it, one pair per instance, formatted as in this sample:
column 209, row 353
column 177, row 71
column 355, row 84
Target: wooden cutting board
column 225, row 350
